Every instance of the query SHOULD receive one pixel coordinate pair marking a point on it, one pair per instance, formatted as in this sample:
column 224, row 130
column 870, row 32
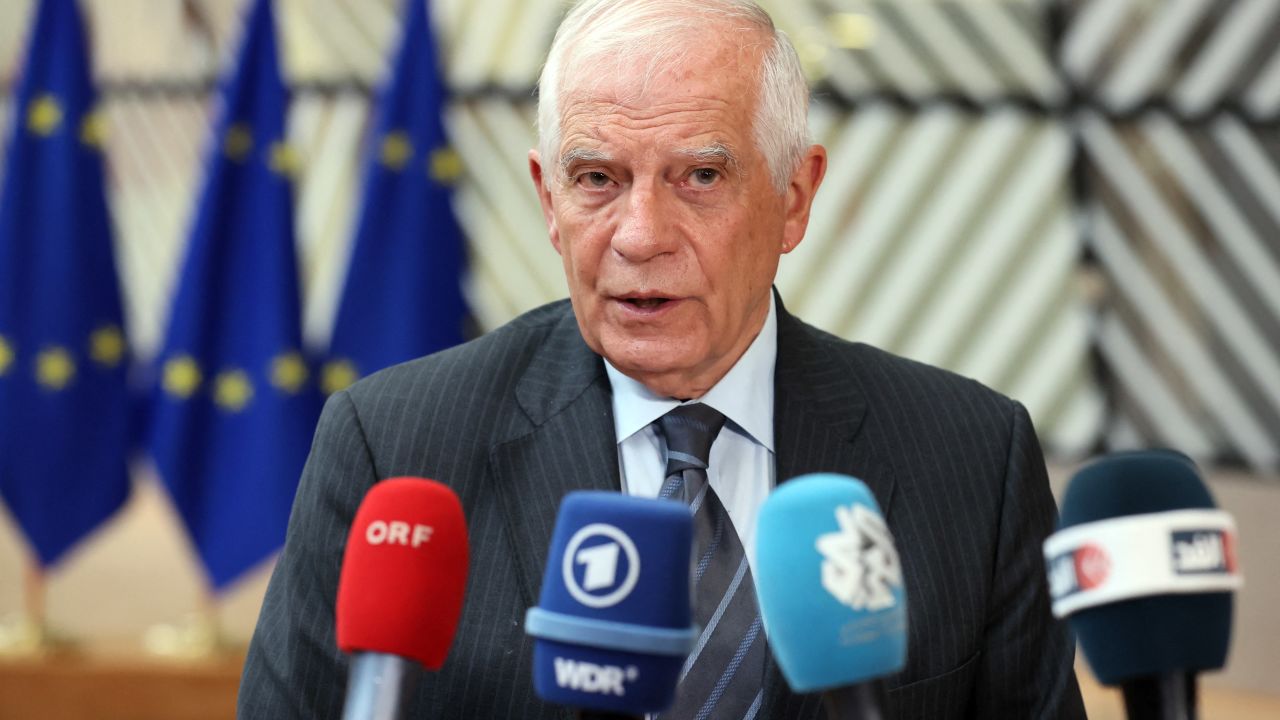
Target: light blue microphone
column 831, row 592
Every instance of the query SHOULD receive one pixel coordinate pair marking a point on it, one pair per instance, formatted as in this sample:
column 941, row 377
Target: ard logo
column 601, row 565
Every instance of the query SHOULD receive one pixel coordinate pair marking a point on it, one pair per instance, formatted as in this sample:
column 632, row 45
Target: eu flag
column 235, row 406
column 64, row 403
column 403, row 294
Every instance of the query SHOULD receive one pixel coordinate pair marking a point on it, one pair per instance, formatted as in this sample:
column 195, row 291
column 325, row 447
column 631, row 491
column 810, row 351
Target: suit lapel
column 570, row 445
column 818, row 415
column 819, row 412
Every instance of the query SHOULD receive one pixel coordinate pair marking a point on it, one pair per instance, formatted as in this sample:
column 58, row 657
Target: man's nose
column 644, row 231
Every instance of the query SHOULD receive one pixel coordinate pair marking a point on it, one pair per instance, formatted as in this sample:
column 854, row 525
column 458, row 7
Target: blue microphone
column 1144, row 568
column 831, row 594
column 614, row 622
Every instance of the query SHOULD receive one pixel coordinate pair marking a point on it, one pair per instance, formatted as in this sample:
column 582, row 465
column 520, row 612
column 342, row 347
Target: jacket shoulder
column 908, row 392
column 923, row 382
column 491, row 358
column 885, row 375
column 464, row 391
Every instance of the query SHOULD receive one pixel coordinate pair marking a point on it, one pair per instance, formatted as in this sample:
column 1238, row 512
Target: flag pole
column 26, row 635
column 210, row 623
column 198, row 636
column 33, row 600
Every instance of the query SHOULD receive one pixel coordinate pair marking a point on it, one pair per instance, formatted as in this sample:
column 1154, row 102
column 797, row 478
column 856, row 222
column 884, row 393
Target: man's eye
column 705, row 176
column 594, row 179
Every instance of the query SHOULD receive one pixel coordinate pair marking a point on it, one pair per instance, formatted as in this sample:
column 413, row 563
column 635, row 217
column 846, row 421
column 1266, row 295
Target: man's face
column 664, row 213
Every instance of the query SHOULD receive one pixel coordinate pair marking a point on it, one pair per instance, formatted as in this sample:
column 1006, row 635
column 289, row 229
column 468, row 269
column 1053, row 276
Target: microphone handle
column 1171, row 696
column 860, row 701
column 379, row 686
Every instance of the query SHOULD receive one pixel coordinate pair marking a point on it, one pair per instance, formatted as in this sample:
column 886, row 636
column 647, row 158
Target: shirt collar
column 744, row 395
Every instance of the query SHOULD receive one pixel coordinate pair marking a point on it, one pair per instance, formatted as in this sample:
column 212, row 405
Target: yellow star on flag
column 45, row 116
column 396, row 150
column 181, row 377
column 55, row 368
column 283, row 159
column 337, row 375
column 6, row 356
column 106, row 346
column 445, row 165
column 289, row 372
column 93, row 129
column 238, row 143
column 232, row 390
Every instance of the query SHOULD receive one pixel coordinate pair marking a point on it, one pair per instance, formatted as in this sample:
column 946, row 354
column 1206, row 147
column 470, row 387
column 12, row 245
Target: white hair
column 596, row 32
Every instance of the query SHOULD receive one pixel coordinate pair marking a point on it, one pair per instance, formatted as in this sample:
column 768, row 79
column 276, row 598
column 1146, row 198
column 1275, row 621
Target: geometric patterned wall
column 1077, row 203
column 1180, row 173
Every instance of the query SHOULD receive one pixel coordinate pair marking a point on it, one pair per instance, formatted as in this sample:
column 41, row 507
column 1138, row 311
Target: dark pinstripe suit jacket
column 955, row 467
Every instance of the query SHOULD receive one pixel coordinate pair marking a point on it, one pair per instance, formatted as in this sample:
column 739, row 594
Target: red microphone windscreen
column 404, row 572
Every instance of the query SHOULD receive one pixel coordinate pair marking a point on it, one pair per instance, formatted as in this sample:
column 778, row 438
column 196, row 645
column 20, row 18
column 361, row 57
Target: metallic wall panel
column 1194, row 268
column 1195, row 55
column 1179, row 156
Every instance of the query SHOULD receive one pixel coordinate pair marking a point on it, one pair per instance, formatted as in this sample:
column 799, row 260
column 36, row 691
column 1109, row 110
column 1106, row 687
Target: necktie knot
column 689, row 431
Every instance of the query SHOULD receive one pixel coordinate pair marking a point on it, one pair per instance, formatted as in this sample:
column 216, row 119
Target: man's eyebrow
column 577, row 155
column 715, row 153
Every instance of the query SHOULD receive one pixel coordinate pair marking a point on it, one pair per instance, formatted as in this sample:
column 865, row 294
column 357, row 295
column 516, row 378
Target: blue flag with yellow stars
column 235, row 403
column 64, row 402
column 403, row 295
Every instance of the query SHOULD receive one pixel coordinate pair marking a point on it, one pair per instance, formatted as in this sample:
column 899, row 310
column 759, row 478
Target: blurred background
column 1076, row 202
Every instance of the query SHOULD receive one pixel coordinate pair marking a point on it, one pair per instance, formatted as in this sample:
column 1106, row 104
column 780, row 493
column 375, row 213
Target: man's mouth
column 646, row 303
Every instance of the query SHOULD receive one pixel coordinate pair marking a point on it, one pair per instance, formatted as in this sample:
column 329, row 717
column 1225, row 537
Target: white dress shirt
column 741, row 467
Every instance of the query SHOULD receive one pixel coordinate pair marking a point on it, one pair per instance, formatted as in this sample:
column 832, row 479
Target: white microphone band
column 1121, row 558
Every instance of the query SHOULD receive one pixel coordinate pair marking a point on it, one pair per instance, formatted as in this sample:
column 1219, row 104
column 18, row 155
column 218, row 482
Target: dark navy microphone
column 614, row 622
column 1144, row 567
column 831, row 593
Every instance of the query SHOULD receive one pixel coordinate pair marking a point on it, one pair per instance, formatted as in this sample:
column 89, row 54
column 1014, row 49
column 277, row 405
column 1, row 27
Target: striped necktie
column 723, row 676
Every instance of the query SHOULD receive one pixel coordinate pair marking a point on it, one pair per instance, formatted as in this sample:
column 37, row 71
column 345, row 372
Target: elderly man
column 674, row 171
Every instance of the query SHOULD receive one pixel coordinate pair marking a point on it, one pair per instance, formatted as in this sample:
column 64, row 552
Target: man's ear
column 544, row 197
column 800, row 193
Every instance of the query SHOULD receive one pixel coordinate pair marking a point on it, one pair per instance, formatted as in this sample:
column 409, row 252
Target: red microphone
column 400, row 594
